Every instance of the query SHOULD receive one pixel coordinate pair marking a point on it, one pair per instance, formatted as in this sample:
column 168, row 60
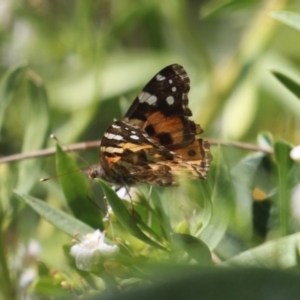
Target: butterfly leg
column 148, row 203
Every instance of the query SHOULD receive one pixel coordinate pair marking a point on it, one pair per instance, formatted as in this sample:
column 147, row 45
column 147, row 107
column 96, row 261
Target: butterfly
column 155, row 142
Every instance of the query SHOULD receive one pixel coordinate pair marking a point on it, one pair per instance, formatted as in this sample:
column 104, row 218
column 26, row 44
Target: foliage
column 69, row 68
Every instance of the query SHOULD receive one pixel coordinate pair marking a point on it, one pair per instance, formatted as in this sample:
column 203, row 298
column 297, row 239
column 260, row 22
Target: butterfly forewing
column 166, row 92
column 161, row 109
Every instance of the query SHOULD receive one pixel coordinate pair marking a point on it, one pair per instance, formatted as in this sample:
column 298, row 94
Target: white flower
column 88, row 252
column 24, row 264
column 27, row 277
column 5, row 12
column 108, row 213
column 27, row 255
column 295, row 153
column 124, row 194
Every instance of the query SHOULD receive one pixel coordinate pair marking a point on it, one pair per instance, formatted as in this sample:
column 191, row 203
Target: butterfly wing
column 126, row 151
column 155, row 140
column 130, row 156
column 166, row 92
column 161, row 109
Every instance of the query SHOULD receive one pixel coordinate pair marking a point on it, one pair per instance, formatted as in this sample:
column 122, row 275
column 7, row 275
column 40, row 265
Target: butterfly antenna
column 184, row 212
column 54, row 137
column 127, row 188
column 149, row 193
column 148, row 204
column 128, row 193
column 108, row 211
column 57, row 176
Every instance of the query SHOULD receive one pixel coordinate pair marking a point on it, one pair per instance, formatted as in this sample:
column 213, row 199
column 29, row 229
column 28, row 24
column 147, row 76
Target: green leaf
column 76, row 190
column 36, row 133
column 284, row 164
column 201, row 193
column 211, row 9
column 222, row 197
column 279, row 253
column 45, row 287
column 297, row 258
column 243, row 177
column 244, row 171
column 163, row 218
column 195, row 248
column 124, row 217
column 9, row 84
column 265, row 140
column 289, row 83
column 177, row 283
column 264, row 176
column 148, row 219
column 288, row 18
column 56, row 217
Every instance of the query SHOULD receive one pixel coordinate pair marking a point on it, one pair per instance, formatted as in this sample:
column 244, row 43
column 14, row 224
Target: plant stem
column 6, row 286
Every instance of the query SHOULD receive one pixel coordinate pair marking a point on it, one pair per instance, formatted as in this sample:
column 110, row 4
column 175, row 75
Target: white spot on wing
column 170, row 100
column 170, row 81
column 143, row 96
column 134, row 137
column 174, row 89
column 115, row 126
column 146, row 97
column 132, row 131
column 152, row 100
column 160, row 77
column 112, row 136
column 111, row 150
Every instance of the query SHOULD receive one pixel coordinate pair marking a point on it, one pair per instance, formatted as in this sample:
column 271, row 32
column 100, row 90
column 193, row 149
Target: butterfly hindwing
column 126, row 150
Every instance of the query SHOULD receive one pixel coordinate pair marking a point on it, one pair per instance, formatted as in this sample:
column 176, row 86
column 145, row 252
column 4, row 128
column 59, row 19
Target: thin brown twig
column 244, row 146
column 49, row 151
column 96, row 144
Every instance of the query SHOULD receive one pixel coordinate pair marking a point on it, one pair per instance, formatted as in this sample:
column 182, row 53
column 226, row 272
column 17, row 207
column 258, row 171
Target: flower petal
column 89, row 251
column 295, row 153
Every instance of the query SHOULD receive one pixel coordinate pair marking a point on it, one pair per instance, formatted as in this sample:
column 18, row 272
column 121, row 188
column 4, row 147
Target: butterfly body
column 155, row 141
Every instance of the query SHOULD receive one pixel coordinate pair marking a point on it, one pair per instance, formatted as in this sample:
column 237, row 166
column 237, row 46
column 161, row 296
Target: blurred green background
column 95, row 56
column 71, row 67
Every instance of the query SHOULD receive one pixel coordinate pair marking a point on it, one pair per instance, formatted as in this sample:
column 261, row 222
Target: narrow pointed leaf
column 288, row 18
column 279, row 253
column 10, row 82
column 289, row 83
column 163, row 218
column 56, row 217
column 222, row 199
column 244, row 171
column 242, row 177
column 284, row 165
column 76, row 190
column 124, row 217
column 195, row 248
column 265, row 140
column 36, row 132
